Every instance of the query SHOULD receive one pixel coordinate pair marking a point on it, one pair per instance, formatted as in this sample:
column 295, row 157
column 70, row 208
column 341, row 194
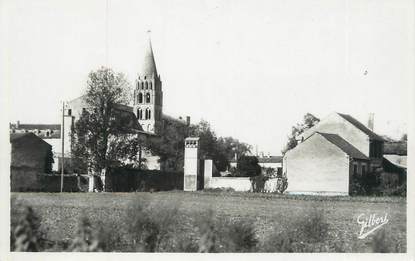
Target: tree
column 404, row 138
column 100, row 136
column 309, row 120
column 170, row 145
column 248, row 166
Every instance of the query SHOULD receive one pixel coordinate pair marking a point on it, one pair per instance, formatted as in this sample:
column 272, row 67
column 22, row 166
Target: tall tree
column 309, row 120
column 99, row 136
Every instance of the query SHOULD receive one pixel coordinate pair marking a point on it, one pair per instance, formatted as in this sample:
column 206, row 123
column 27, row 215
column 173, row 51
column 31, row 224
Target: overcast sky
column 250, row 68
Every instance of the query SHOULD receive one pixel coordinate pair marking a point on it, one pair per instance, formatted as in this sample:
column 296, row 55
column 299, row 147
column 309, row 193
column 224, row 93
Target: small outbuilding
column 323, row 164
column 30, row 156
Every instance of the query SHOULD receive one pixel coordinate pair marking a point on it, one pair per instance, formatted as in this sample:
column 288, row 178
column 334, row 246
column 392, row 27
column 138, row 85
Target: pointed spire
column 149, row 65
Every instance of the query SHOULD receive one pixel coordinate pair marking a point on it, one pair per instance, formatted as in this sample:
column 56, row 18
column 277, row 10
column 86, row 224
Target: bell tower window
column 140, row 98
column 148, row 98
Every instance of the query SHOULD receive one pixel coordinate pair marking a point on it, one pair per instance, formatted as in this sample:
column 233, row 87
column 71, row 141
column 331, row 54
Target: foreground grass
column 269, row 214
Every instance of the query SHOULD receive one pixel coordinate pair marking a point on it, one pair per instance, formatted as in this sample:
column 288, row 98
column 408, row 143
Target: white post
column 91, row 183
column 191, row 163
column 208, row 172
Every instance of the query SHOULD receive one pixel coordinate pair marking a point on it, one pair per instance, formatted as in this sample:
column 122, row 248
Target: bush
column 150, row 228
column 306, row 234
column 282, row 184
column 26, row 235
column 225, row 235
column 86, row 239
column 258, row 183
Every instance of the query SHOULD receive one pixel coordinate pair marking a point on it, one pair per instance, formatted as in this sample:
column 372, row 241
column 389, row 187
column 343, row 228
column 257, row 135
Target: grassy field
column 268, row 213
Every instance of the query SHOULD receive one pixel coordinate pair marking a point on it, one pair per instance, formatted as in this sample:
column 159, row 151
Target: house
column 274, row 162
column 330, row 153
column 394, row 163
column 30, row 156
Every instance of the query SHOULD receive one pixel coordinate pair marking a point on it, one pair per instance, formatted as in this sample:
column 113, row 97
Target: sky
column 250, row 68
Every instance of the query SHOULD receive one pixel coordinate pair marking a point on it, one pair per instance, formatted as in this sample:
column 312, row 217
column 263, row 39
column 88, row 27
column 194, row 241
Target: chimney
column 188, row 120
column 371, row 121
column 17, row 124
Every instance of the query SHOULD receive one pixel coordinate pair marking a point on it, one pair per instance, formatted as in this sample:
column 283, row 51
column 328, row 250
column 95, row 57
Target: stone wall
column 237, row 183
column 25, row 179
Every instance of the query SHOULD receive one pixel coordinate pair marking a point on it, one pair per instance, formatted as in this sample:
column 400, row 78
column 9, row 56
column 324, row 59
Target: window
column 148, row 114
column 69, row 112
column 140, row 98
column 151, row 85
column 148, row 98
column 47, row 134
column 146, row 85
column 363, row 169
column 139, row 114
column 355, row 169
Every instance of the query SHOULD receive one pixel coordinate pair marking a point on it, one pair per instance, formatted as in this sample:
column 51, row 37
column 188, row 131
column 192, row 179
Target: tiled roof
column 361, row 127
column 270, row 159
column 17, row 136
column 348, row 148
column 395, row 148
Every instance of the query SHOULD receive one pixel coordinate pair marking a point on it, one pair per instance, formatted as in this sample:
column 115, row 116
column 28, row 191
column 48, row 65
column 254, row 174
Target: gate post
column 191, row 163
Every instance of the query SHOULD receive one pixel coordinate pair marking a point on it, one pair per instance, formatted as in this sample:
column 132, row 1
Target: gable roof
column 342, row 144
column 16, row 137
column 361, row 127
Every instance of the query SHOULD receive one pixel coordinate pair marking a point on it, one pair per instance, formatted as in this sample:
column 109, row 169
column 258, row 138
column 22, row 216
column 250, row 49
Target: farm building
column 331, row 152
column 30, row 156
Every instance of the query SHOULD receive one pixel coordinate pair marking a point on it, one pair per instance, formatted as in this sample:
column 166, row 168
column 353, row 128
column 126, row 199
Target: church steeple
column 148, row 68
column 148, row 94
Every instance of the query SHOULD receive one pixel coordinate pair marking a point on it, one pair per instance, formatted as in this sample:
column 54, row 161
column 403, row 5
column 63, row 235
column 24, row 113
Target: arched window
column 146, row 85
column 142, row 85
column 148, row 98
column 148, row 114
column 139, row 114
column 151, row 85
column 140, row 98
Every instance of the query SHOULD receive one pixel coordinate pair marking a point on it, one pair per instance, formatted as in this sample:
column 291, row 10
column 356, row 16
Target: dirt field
column 60, row 212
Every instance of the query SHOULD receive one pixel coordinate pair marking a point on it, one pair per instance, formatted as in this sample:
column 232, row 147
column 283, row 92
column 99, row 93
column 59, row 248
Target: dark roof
column 14, row 137
column 270, row 159
column 342, row 144
column 361, row 127
column 396, row 148
column 37, row 126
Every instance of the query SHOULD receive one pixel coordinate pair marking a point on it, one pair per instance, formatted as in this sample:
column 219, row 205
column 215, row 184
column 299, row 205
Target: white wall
column 317, row 166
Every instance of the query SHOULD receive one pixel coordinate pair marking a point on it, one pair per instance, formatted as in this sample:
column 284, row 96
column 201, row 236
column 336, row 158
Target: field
column 269, row 214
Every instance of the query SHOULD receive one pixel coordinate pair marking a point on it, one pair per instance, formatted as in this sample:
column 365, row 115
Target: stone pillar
column 191, row 163
column 208, row 172
column 91, row 183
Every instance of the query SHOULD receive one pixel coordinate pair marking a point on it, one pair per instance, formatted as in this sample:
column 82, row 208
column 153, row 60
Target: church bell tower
column 148, row 94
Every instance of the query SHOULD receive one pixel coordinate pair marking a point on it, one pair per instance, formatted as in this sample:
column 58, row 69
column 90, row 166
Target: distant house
column 394, row 163
column 329, row 154
column 30, row 156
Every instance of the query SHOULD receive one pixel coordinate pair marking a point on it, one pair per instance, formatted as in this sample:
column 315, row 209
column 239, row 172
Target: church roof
column 149, row 65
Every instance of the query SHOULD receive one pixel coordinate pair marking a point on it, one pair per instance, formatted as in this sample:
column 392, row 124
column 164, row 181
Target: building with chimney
column 330, row 153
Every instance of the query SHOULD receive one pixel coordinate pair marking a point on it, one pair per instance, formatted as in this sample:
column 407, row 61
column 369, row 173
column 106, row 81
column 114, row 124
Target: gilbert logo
column 370, row 224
